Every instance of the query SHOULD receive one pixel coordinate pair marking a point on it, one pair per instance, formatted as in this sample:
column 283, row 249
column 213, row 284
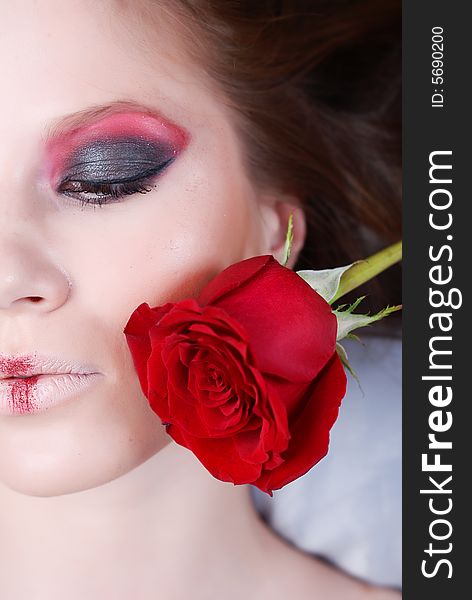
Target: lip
column 27, row 365
column 32, row 383
column 40, row 392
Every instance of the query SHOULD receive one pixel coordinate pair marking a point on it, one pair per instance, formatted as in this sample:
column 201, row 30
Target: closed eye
column 99, row 192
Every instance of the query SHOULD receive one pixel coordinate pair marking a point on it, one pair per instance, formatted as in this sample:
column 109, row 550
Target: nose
column 30, row 280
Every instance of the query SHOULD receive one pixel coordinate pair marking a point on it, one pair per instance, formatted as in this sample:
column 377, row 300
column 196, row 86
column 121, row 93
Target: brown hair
column 316, row 86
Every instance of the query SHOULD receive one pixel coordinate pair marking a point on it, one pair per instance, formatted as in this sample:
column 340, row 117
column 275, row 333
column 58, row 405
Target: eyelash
column 113, row 191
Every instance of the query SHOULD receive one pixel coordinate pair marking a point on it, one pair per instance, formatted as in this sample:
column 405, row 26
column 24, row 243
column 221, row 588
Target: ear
column 275, row 214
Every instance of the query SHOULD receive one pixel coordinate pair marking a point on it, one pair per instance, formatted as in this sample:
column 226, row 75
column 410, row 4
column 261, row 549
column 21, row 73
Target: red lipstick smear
column 22, row 392
column 126, row 123
column 21, row 389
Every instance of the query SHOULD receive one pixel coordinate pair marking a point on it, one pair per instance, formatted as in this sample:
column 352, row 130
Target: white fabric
column 348, row 507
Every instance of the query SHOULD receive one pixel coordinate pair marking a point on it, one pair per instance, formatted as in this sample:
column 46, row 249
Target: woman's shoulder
column 292, row 573
column 317, row 580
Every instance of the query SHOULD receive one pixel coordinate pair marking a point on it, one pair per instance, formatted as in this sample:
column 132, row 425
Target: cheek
column 165, row 246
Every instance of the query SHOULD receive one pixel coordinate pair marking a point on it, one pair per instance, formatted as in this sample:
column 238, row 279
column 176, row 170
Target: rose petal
column 284, row 315
column 219, row 456
column 231, row 278
column 310, row 433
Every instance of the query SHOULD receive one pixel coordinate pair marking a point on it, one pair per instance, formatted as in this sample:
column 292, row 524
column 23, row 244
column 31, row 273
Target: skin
column 94, row 495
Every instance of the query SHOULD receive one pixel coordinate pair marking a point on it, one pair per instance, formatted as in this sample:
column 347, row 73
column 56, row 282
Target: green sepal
column 366, row 269
column 348, row 321
column 343, row 357
column 325, row 282
column 288, row 241
column 331, row 284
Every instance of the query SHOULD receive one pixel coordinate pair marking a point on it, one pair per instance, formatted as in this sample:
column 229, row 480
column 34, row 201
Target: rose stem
column 364, row 270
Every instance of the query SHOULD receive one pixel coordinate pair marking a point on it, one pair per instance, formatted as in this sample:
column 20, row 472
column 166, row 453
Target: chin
column 53, row 455
column 44, row 476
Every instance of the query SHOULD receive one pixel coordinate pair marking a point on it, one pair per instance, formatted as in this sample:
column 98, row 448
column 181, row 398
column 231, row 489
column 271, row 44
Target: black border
column 427, row 129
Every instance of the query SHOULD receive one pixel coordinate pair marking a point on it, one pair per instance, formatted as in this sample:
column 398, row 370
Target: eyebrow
column 92, row 114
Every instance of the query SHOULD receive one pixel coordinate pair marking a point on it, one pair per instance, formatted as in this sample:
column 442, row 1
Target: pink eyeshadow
column 123, row 124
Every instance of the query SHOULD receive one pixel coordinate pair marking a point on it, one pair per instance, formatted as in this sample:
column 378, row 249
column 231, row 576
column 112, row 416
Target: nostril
column 34, row 298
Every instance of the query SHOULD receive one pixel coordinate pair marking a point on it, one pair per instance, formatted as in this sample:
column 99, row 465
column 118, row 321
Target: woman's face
column 71, row 271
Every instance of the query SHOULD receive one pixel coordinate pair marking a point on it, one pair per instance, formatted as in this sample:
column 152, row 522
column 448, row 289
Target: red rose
column 246, row 375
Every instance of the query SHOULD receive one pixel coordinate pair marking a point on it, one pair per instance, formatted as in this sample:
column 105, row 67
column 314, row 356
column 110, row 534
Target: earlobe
column 275, row 217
